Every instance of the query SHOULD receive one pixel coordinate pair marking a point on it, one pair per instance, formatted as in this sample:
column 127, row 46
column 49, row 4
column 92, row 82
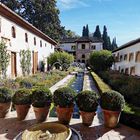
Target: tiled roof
column 81, row 39
column 128, row 44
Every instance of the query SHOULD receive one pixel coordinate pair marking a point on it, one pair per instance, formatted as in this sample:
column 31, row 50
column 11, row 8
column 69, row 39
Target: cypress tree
column 87, row 31
column 84, row 31
column 114, row 44
column 105, row 38
column 97, row 32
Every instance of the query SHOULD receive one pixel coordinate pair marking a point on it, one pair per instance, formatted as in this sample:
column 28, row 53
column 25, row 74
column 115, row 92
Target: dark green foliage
column 64, row 97
column 26, row 83
column 114, row 44
column 128, row 86
column 42, row 66
column 97, row 32
column 101, row 60
column 5, row 95
column 4, row 59
column 22, row 97
column 41, row 97
column 62, row 59
column 106, row 40
column 87, row 101
column 112, row 100
column 85, row 32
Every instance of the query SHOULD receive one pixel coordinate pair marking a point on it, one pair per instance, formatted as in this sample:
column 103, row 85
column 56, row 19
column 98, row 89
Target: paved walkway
column 61, row 83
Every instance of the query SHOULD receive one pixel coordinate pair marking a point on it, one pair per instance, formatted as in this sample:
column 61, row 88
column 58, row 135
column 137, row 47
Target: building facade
column 128, row 58
column 19, row 35
column 81, row 47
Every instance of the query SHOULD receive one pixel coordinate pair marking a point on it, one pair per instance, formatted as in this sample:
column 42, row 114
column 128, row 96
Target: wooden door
column 35, row 62
column 13, row 64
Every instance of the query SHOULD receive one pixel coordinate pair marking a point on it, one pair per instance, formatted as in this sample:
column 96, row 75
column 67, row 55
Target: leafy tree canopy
column 101, row 60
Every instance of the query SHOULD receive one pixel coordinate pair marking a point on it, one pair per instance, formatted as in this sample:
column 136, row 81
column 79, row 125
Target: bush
column 64, row 97
column 112, row 100
column 5, row 95
column 26, row 83
column 60, row 58
column 87, row 101
column 41, row 97
column 22, row 97
column 101, row 60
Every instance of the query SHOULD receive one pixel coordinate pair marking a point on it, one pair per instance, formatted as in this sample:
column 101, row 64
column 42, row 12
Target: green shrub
column 22, row 97
column 101, row 60
column 64, row 97
column 87, row 101
column 26, row 83
column 41, row 97
column 5, row 95
column 112, row 100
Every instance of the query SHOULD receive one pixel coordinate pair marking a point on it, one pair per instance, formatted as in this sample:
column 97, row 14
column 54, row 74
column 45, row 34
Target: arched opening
column 26, row 37
column 13, row 32
column 138, row 56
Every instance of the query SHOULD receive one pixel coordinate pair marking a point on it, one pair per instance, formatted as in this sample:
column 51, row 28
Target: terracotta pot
column 111, row 118
column 22, row 111
column 87, row 117
column 64, row 114
column 4, row 109
column 41, row 113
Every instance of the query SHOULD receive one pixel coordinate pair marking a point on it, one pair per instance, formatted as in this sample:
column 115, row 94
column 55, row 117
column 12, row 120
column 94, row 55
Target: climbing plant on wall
column 25, row 62
column 4, row 59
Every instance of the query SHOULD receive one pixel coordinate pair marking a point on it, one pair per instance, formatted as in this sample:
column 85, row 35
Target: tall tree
column 87, row 31
column 84, row 31
column 97, row 32
column 106, row 40
column 12, row 4
column 114, row 44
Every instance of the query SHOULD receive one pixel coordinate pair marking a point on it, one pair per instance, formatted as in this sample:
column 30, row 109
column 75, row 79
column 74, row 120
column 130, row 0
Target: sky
column 122, row 17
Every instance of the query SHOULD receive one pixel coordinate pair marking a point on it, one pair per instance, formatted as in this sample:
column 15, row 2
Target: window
column 131, row 56
column 125, row 57
column 126, row 71
column 13, row 32
column 122, row 70
column 93, row 47
column 132, row 70
column 83, row 56
column 51, row 46
column 45, row 45
column 121, row 57
column 138, row 56
column 34, row 41
column 73, row 47
column 40, row 43
column 26, row 37
column 83, row 46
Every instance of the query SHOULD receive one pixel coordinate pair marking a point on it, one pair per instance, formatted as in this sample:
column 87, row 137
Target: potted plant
column 87, row 101
column 41, row 101
column 112, row 103
column 63, row 99
column 5, row 101
column 22, row 102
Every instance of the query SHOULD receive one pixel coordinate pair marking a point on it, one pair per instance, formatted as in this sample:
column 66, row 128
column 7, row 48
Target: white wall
column 67, row 46
column 128, row 64
column 18, row 43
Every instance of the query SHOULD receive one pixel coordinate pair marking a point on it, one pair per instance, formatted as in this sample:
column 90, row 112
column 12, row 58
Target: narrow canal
column 77, row 86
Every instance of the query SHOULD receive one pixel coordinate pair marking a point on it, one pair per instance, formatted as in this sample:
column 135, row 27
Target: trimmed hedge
column 130, row 112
